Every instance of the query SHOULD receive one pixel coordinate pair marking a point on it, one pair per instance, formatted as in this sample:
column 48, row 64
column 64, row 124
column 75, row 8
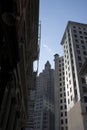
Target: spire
column 47, row 66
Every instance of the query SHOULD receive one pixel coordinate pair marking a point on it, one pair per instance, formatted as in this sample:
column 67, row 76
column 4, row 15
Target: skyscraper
column 44, row 105
column 74, row 42
column 60, row 94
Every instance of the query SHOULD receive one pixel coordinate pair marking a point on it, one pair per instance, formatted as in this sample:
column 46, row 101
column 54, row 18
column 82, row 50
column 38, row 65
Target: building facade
column 44, row 104
column 60, row 94
column 19, row 49
column 74, row 42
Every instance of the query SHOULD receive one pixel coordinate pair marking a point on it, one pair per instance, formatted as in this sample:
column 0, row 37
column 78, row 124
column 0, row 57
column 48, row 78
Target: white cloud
column 49, row 50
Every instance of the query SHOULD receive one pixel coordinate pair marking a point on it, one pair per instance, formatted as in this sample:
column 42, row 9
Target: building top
column 47, row 66
column 68, row 25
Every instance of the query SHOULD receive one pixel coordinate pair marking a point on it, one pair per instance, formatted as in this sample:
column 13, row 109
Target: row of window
column 80, row 28
column 63, row 107
column 63, row 113
column 62, row 121
column 80, row 32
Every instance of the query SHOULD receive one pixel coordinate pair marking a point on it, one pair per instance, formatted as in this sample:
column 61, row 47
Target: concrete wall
column 75, row 118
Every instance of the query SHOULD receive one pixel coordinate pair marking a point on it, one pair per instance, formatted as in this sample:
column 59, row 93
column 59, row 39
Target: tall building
column 19, row 49
column 44, row 104
column 60, row 94
column 74, row 42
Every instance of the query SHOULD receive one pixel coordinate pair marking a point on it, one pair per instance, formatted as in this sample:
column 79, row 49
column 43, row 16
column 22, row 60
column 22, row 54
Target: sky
column 54, row 15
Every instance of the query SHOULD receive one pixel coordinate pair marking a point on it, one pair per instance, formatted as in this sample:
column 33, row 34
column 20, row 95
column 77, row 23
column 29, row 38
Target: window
column 80, row 32
column 60, row 84
column 61, row 107
column 84, row 89
column 74, row 27
column 85, row 33
column 61, row 100
column 84, row 52
column 79, row 58
column 85, row 99
column 70, row 89
column 77, row 46
column 60, row 95
column 86, row 109
column 71, row 97
column 62, row 128
column 69, row 81
column 78, row 51
column 81, row 37
column 85, row 37
column 66, row 121
column 60, row 79
column 61, row 121
column 82, row 41
column 61, row 114
column 65, row 113
column 60, row 89
column 76, row 41
column 64, row 94
column 80, row 64
column 66, row 128
column 75, row 35
column 64, row 100
column 74, row 31
column 65, row 106
column 68, row 93
column 83, row 80
column 83, row 47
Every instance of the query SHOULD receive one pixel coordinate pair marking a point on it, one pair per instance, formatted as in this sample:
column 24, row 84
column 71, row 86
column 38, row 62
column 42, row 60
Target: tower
column 44, row 104
column 74, row 42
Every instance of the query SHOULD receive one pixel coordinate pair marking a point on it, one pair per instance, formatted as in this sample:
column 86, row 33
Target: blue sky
column 54, row 15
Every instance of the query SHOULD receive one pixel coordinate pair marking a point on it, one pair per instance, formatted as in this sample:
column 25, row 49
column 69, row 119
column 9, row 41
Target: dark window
column 82, row 41
column 83, row 80
column 76, row 41
column 61, row 121
column 80, row 32
column 85, row 37
column 86, row 109
column 61, row 114
column 64, row 100
column 85, row 33
column 74, row 27
column 77, row 46
column 65, row 113
column 60, row 95
column 75, row 35
column 74, row 31
column 81, row 37
column 83, row 47
column 85, row 99
column 65, row 106
column 66, row 121
column 79, row 58
column 78, row 51
column 84, row 52
column 60, row 89
column 80, row 64
column 61, row 107
column 62, row 128
column 61, row 100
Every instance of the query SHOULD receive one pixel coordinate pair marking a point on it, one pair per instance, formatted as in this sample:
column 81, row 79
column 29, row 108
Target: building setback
column 60, row 94
column 74, row 42
column 44, row 104
column 19, row 49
